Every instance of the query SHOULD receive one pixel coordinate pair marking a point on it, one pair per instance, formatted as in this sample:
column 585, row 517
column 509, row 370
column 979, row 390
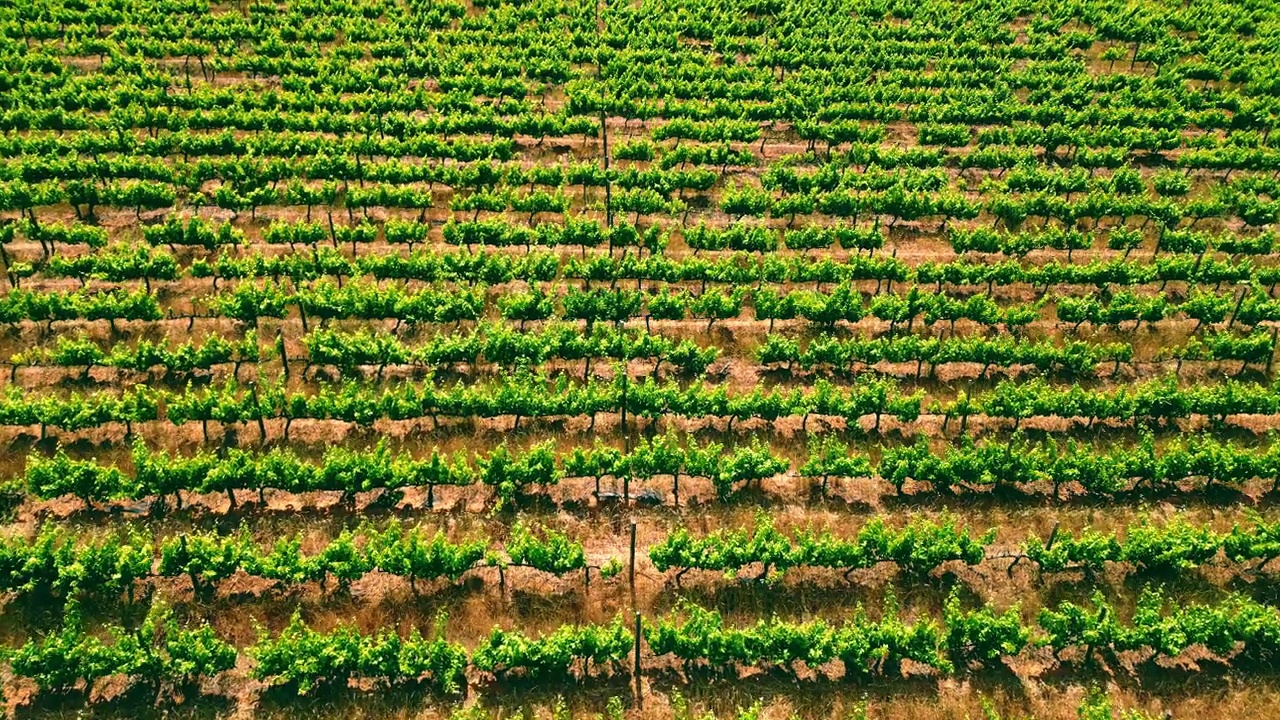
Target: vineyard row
column 1015, row 463
column 161, row 653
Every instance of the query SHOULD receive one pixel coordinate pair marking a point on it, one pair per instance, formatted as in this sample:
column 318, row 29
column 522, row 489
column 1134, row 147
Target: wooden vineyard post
column 639, row 676
column 623, row 410
column 626, row 488
column 626, row 437
column 631, row 573
column 626, row 450
column 608, row 181
column 604, row 124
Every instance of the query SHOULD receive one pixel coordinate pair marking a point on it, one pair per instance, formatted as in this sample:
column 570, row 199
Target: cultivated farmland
column 559, row 358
